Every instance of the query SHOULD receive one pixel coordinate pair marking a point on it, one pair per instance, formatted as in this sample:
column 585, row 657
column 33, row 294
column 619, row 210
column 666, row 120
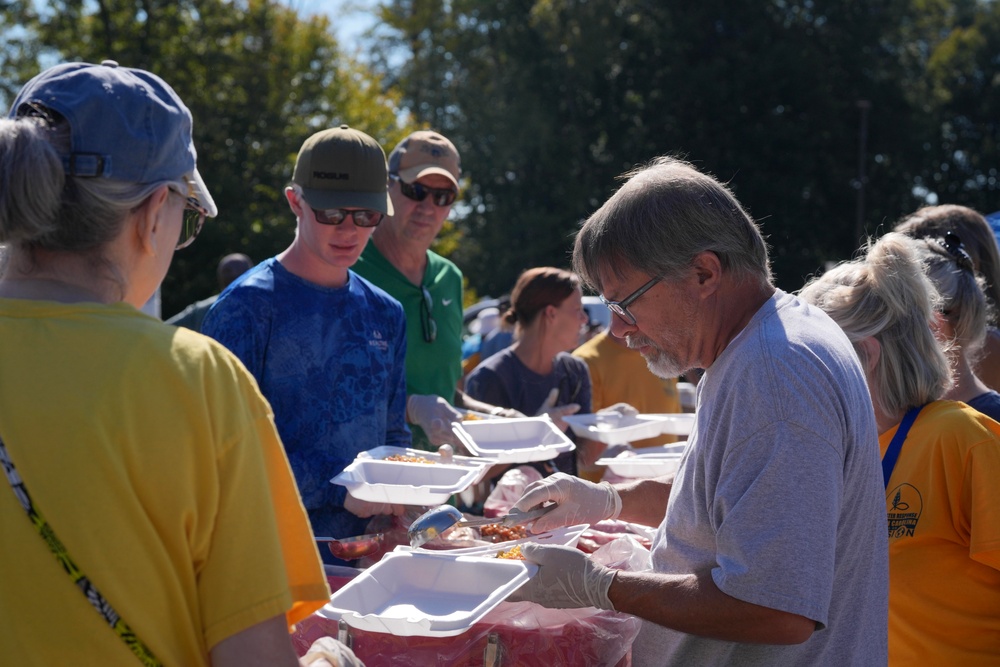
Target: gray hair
column 886, row 295
column 963, row 299
column 661, row 218
column 42, row 208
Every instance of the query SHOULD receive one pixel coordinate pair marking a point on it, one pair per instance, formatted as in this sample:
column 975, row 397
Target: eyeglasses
column 620, row 308
column 952, row 244
column 335, row 216
column 194, row 217
column 427, row 324
column 419, row 192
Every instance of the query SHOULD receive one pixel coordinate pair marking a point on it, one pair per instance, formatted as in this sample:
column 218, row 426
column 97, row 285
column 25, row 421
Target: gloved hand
column 624, row 409
column 567, row 579
column 577, row 501
column 365, row 509
column 509, row 413
column 328, row 652
column 434, row 415
column 556, row 414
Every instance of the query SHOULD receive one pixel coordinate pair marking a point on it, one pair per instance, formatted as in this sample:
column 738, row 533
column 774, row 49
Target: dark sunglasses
column 419, row 192
column 334, row 216
column 194, row 217
column 427, row 324
column 952, row 244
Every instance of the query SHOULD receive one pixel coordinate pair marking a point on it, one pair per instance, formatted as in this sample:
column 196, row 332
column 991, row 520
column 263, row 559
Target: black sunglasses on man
column 419, row 192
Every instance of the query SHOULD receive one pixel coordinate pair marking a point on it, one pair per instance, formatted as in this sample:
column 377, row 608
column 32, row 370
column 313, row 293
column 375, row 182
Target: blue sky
column 349, row 18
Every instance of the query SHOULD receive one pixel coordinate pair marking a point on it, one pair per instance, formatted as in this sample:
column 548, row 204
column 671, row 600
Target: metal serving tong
column 434, row 522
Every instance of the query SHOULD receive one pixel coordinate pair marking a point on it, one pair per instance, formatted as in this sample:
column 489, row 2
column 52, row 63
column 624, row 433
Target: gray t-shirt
column 780, row 494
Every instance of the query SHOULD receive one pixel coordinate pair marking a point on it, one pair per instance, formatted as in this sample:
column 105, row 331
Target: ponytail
column 31, row 181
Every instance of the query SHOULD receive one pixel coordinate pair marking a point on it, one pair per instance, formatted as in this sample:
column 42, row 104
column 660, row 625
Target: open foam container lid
column 646, row 462
column 520, row 440
column 566, row 536
column 373, row 479
column 410, row 593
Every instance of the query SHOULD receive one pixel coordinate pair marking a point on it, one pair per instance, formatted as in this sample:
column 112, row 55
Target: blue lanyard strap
column 892, row 452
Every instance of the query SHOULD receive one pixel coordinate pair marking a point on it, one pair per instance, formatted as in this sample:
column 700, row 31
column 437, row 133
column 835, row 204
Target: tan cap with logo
column 422, row 153
column 342, row 167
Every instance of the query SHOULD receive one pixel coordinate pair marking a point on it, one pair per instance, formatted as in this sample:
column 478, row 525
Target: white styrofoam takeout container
column 410, row 593
column 566, row 536
column 613, row 428
column 519, row 440
column 400, row 483
column 646, row 462
column 675, row 423
column 479, row 463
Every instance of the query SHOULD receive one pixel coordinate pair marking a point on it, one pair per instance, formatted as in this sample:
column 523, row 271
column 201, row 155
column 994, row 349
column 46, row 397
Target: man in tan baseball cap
column 424, row 179
column 325, row 345
column 424, row 153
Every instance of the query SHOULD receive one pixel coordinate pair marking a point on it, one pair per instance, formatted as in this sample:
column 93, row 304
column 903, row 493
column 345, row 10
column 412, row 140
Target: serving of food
column 497, row 532
column 514, row 553
column 406, row 458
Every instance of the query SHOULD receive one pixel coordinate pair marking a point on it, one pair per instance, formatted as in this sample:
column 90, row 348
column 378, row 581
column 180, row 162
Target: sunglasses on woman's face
column 194, row 217
column 419, row 192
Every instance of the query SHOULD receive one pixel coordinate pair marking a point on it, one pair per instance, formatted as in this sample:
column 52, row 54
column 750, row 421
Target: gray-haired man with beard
column 771, row 546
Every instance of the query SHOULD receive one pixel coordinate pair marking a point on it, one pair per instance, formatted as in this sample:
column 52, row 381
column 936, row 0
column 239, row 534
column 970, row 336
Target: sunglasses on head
column 419, row 192
column 952, row 244
column 334, row 216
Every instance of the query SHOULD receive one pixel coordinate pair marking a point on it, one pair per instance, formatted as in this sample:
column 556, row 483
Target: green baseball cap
column 342, row 167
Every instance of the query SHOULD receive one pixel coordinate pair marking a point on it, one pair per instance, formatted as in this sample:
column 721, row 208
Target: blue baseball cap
column 125, row 124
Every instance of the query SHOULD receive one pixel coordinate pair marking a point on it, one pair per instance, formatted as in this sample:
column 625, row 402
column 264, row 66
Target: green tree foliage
column 258, row 79
column 550, row 100
column 964, row 84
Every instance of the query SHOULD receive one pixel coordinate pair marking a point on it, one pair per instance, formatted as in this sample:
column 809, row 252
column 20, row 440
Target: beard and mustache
column 660, row 362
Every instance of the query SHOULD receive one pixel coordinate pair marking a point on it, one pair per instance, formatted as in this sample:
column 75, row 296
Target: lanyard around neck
column 896, row 444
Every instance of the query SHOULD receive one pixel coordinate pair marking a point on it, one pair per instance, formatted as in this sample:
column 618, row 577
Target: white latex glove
column 328, row 652
column 577, row 501
column 365, row 509
column 624, row 409
column 434, row 415
column 509, row 413
column 556, row 414
column 566, row 579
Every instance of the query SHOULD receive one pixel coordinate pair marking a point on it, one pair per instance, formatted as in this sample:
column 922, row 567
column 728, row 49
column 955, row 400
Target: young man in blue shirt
column 327, row 347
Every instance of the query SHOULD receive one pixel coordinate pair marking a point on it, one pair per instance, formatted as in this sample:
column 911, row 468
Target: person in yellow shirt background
column 619, row 374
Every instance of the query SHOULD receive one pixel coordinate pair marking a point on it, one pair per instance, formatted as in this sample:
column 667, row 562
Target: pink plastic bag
column 509, row 489
column 514, row 633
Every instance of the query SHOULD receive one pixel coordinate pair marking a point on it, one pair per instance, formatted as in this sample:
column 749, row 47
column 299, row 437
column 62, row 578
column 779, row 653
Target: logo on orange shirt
column 904, row 505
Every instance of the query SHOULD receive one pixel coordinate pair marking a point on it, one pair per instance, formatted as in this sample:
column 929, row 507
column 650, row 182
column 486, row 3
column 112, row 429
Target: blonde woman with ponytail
column 940, row 460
